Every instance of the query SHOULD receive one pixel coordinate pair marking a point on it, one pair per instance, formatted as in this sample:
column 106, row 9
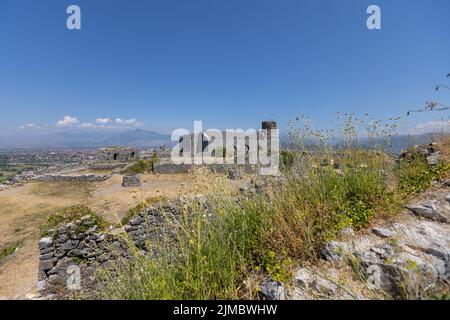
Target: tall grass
column 209, row 259
column 218, row 252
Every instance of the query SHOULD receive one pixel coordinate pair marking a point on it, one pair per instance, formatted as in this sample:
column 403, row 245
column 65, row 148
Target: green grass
column 415, row 175
column 142, row 166
column 218, row 254
column 210, row 259
column 9, row 250
column 71, row 214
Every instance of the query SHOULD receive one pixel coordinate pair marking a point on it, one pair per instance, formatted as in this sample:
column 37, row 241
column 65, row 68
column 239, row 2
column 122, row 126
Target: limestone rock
column 447, row 197
column 45, row 265
column 303, row 278
column 334, row 251
column 324, row 286
column 45, row 243
column 427, row 210
column 382, row 232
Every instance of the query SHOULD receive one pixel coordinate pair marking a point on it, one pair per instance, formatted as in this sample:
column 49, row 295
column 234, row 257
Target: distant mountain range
column 77, row 139
column 85, row 139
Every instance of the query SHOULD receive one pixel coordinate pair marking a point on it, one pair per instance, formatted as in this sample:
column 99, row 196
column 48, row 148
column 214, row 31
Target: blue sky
column 233, row 63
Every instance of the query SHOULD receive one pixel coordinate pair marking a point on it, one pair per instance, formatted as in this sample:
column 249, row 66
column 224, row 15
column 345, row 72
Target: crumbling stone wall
column 106, row 166
column 77, row 250
column 119, row 154
column 34, row 174
column 71, row 178
column 70, row 255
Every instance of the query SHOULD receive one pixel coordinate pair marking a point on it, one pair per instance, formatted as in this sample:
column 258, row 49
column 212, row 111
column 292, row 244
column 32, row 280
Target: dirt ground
column 23, row 209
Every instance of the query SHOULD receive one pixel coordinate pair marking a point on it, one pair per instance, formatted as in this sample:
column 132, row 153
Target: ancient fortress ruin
column 117, row 154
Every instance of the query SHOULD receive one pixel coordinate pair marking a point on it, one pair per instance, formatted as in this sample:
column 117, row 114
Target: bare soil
column 23, row 209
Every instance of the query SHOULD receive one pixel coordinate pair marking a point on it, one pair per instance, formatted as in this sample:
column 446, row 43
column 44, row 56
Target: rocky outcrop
column 406, row 259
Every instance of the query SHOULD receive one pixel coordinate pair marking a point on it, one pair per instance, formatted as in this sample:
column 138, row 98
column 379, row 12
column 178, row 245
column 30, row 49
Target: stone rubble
column 132, row 181
column 71, row 248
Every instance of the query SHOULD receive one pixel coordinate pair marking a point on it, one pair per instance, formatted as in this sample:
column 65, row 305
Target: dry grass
column 23, row 209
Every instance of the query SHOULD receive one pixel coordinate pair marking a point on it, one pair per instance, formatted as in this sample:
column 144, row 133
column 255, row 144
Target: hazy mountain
column 145, row 138
column 84, row 139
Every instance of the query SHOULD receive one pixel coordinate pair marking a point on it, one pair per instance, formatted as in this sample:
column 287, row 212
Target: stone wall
column 168, row 168
column 71, row 178
column 107, row 166
column 70, row 255
column 155, row 223
column 80, row 248
column 119, row 154
column 32, row 175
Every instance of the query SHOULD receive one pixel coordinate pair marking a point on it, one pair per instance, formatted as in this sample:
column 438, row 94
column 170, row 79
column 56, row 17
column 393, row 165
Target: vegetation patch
column 141, row 166
column 9, row 250
column 415, row 175
column 210, row 260
column 71, row 214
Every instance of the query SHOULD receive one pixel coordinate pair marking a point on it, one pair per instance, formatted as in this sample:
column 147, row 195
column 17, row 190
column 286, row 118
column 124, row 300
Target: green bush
column 142, row 166
column 277, row 265
column 415, row 175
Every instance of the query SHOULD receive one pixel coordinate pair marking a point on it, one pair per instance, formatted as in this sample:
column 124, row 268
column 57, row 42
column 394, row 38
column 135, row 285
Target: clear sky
column 230, row 63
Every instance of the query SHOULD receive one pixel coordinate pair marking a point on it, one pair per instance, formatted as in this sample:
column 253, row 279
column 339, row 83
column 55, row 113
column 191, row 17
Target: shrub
column 139, row 167
column 415, row 174
column 277, row 265
column 142, row 166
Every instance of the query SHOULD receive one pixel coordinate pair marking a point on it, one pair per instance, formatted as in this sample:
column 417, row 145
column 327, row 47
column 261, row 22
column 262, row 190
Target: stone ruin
column 72, row 253
column 117, row 154
column 131, row 181
column 200, row 142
